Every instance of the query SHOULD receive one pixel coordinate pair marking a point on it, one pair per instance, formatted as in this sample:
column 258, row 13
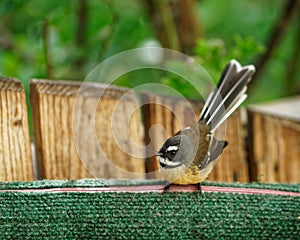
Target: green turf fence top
column 173, row 215
column 43, row 184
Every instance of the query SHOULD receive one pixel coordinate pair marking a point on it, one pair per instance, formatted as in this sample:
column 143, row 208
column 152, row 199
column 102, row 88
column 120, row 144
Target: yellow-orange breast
column 183, row 175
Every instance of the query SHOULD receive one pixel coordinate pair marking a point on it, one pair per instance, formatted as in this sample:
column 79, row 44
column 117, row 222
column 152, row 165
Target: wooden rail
column 72, row 130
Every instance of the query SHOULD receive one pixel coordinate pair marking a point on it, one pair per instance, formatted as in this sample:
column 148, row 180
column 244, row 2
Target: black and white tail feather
column 221, row 103
column 228, row 96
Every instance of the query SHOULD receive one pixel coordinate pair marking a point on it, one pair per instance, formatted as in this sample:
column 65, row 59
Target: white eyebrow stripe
column 172, row 148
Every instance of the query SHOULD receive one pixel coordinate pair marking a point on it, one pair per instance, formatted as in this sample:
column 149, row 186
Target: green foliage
column 255, row 18
column 213, row 54
column 111, row 27
column 232, row 29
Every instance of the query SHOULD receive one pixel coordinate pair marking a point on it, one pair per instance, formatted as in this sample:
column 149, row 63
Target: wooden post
column 274, row 141
column 173, row 114
column 65, row 115
column 15, row 152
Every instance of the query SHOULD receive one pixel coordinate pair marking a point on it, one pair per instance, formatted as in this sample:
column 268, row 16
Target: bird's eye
column 173, row 152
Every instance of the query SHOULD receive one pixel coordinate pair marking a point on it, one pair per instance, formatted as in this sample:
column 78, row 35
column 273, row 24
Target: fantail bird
column 189, row 156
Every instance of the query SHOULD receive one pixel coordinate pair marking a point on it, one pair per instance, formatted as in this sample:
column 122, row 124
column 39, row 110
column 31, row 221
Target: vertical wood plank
column 15, row 151
column 157, row 109
column 55, row 115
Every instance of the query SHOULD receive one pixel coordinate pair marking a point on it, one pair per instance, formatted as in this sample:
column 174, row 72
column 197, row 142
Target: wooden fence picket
column 53, row 104
column 15, row 150
column 274, row 130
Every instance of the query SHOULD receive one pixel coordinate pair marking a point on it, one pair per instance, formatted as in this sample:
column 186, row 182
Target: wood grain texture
column 173, row 114
column 274, row 144
column 15, row 151
column 232, row 165
column 73, row 132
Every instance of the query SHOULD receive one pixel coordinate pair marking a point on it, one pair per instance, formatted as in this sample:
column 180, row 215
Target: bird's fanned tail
column 228, row 96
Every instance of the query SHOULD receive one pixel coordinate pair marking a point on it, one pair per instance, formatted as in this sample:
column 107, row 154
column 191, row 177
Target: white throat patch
column 169, row 163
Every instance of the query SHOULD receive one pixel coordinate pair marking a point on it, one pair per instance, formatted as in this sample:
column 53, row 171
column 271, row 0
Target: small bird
column 190, row 155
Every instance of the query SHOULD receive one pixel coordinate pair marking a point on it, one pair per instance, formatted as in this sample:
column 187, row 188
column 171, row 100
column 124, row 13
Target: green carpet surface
column 173, row 215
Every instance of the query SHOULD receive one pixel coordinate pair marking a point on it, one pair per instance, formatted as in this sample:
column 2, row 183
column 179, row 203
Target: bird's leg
column 199, row 189
column 167, row 188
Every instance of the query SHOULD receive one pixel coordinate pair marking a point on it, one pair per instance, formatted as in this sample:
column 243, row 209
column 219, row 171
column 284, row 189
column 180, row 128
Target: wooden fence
column 266, row 148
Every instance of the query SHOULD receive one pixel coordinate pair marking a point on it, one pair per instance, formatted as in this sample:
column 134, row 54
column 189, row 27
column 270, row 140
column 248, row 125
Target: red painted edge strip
column 156, row 188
